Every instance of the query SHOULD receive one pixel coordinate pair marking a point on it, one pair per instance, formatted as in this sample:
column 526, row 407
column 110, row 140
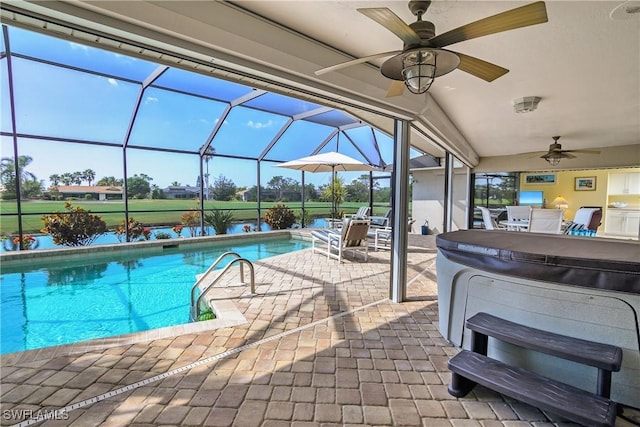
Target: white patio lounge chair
column 333, row 243
column 362, row 213
column 382, row 221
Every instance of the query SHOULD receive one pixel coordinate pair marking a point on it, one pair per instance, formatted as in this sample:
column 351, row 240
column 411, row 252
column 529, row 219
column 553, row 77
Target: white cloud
column 150, row 99
column 76, row 46
column 112, row 81
column 259, row 125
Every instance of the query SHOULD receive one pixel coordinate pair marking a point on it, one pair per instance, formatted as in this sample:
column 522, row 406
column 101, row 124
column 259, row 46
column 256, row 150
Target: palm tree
column 54, row 179
column 109, row 181
column 8, row 172
column 89, row 175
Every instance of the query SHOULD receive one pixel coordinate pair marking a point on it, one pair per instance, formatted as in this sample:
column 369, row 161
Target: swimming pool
column 63, row 303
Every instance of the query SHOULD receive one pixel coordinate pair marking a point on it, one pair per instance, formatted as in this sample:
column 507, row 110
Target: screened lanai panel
column 385, row 145
column 246, row 132
column 281, row 104
column 364, row 138
column 174, row 120
column 61, row 163
column 78, row 55
column 3, row 46
column 199, row 84
column 300, row 139
column 5, row 102
column 163, row 169
column 333, row 118
column 64, row 103
column 342, row 145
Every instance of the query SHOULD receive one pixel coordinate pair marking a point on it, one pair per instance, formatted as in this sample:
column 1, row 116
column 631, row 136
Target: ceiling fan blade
column 479, row 68
column 385, row 17
column 531, row 14
column 396, row 88
column 356, row 61
column 583, row 151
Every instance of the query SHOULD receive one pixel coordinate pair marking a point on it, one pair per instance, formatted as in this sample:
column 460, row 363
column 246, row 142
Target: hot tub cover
column 590, row 262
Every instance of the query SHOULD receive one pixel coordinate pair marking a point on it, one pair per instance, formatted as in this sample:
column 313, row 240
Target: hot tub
column 582, row 287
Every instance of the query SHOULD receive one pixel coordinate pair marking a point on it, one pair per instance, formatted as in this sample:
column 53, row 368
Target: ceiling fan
column 556, row 153
column 422, row 58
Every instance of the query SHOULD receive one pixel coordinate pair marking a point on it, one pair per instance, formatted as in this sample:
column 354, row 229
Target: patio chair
column 517, row 213
column 487, row 219
column 382, row 221
column 548, row 221
column 353, row 236
column 362, row 213
column 381, row 237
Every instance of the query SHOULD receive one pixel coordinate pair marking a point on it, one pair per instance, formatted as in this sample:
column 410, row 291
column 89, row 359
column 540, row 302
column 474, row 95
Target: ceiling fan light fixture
column 419, row 70
column 553, row 158
column 526, row 104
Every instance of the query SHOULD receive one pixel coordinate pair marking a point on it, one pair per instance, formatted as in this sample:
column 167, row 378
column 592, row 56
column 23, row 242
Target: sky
column 62, row 103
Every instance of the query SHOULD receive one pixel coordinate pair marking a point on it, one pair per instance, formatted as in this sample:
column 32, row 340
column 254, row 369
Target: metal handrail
column 195, row 305
column 213, row 266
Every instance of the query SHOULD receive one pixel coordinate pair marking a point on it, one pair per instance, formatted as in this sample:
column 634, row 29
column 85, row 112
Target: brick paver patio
column 322, row 346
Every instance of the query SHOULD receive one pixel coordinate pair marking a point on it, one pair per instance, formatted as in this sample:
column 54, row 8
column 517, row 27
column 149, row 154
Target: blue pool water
column 76, row 301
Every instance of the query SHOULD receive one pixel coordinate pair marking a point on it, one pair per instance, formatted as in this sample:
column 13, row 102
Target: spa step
column 602, row 356
column 562, row 399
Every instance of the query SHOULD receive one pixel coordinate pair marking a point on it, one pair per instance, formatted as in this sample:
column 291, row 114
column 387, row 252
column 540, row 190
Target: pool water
column 77, row 301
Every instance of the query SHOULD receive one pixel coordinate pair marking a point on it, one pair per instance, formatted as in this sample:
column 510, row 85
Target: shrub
column 280, row 217
column 191, row 220
column 76, row 227
column 161, row 235
column 304, row 218
column 89, row 197
column 220, row 220
column 135, row 227
column 207, row 314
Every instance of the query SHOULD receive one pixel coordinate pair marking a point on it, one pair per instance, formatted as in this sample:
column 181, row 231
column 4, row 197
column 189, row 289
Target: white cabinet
column 622, row 223
column 624, row 183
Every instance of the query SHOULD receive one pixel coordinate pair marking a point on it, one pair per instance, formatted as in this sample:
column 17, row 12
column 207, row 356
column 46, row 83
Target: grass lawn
column 158, row 212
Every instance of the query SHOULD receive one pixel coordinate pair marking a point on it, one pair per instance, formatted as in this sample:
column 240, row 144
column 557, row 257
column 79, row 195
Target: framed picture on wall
column 540, row 178
column 585, row 183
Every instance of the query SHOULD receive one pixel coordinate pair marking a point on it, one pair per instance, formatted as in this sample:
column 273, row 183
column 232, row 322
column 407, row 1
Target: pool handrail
column 195, row 305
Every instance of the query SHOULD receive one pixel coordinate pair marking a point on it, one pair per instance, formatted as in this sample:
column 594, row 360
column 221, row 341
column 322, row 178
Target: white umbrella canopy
column 331, row 161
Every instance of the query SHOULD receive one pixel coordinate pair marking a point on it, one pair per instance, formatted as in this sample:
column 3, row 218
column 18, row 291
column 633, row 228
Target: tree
column 54, row 179
column 8, row 173
column 66, row 178
column 335, row 193
column 138, row 187
column 76, row 227
column 223, row 189
column 358, row 190
column 175, row 184
column 280, row 184
column 109, row 181
column 89, row 175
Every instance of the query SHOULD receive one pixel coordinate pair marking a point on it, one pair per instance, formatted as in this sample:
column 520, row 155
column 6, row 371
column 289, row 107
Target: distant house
column 98, row 192
column 181, row 192
column 242, row 195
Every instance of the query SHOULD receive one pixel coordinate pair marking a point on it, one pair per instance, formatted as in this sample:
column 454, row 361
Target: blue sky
column 62, row 103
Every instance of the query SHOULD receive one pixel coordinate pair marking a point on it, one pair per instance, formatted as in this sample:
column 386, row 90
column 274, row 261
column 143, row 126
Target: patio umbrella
column 328, row 162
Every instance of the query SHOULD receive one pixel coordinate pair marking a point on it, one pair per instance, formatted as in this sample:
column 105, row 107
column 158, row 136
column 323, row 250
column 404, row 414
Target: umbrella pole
column 333, row 192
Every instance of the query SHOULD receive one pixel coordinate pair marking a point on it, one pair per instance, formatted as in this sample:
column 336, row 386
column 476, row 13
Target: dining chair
column 517, row 213
column 548, row 221
column 487, row 219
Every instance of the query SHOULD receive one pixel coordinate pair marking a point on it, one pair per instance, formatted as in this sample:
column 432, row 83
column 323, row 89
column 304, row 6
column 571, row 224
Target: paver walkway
column 322, row 346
